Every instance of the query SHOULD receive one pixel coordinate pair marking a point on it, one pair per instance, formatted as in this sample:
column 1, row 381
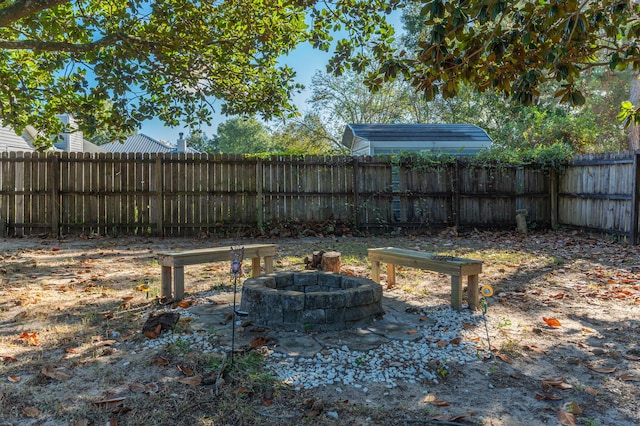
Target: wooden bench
column 457, row 267
column 178, row 259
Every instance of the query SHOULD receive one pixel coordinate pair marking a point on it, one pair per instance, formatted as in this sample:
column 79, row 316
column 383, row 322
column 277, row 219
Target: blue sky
column 305, row 60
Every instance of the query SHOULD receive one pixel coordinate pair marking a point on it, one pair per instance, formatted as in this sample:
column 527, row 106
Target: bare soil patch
column 563, row 325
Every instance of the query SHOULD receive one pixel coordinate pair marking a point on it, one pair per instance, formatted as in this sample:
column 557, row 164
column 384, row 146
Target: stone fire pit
column 311, row 301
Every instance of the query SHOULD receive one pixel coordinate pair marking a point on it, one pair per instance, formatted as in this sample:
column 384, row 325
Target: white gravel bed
column 420, row 359
column 438, row 343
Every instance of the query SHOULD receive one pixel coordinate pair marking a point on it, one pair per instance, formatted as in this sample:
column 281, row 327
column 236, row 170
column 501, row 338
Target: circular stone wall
column 311, row 301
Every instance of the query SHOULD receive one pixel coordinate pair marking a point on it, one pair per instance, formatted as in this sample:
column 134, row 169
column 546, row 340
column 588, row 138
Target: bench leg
column 255, row 266
column 456, row 292
column 472, row 291
column 391, row 275
column 375, row 271
column 178, row 282
column 268, row 264
column 165, row 290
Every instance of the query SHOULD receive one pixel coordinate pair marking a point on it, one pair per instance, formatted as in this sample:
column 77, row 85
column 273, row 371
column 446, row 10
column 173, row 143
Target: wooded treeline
column 192, row 194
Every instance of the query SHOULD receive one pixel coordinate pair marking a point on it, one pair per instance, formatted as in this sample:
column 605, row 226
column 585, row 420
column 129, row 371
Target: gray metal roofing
column 416, row 132
column 142, row 143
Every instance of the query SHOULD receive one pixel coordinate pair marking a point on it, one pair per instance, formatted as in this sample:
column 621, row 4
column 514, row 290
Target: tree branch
column 21, row 8
column 52, row 46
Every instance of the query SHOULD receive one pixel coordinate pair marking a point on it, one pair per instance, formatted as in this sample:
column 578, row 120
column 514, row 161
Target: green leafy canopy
column 113, row 64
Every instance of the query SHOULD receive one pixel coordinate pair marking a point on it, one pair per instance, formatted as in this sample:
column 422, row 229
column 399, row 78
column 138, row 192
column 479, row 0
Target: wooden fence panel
column 595, row 192
column 189, row 194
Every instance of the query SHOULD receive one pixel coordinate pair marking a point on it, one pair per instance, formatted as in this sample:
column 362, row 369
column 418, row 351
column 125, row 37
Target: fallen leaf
column 81, row 422
column 631, row 357
column 534, row 348
column 70, row 350
column 31, row 412
column 184, row 304
column 108, row 403
column 30, row 338
column 127, row 298
column 136, row 387
column 185, row 370
column 547, row 396
column 442, row 343
column 14, row 379
column 53, row 374
column 151, row 387
column 592, row 391
column 455, row 341
column 258, row 341
column 504, row 357
column 412, row 331
column 159, row 360
column 604, row 370
column 267, row 401
column 9, row 359
column 554, row 381
column 468, row 326
column 191, row 381
column 629, row 377
column 551, row 322
column 566, row 418
column 440, row 403
column 429, row 398
column 573, row 408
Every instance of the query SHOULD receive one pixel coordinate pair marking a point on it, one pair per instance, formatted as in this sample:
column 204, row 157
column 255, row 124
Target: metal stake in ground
column 237, row 255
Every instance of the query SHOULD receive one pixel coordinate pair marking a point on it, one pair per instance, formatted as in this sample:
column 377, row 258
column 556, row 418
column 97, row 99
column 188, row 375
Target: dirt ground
column 563, row 326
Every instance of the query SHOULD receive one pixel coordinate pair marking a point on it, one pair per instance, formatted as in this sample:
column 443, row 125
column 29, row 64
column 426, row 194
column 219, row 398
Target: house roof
column 414, row 133
column 144, row 144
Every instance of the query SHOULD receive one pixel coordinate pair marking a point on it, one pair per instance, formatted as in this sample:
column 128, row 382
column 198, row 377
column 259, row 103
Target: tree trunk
column 634, row 98
column 331, row 261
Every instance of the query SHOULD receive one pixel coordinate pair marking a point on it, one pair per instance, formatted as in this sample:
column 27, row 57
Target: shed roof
column 142, row 143
column 9, row 141
column 414, row 133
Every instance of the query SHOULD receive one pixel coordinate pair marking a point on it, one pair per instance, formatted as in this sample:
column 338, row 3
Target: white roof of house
column 143, row 144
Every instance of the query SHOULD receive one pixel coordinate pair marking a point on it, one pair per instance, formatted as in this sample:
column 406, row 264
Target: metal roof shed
column 372, row 139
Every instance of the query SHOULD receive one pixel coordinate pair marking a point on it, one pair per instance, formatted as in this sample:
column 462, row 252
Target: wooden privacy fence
column 187, row 194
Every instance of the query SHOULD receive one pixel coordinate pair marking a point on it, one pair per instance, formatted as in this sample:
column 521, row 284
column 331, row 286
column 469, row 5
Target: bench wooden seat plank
column 173, row 263
column 456, row 267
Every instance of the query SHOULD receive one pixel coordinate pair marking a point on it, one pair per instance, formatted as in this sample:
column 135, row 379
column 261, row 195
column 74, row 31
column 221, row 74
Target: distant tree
column 200, row 141
column 243, row 136
column 306, row 135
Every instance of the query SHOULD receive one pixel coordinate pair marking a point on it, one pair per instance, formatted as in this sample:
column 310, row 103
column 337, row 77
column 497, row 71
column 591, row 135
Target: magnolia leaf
column 258, row 341
column 504, row 357
column 159, row 360
column 136, row 387
column 108, row 403
column 551, row 322
column 631, row 357
column 412, row 331
column 573, row 408
column 566, row 418
column 440, row 403
column 151, row 387
column 605, row 370
column 547, row 396
column 185, row 370
column 630, row 377
column 31, row 412
column 191, row 381
column 14, row 379
column 52, row 374
column 9, row 359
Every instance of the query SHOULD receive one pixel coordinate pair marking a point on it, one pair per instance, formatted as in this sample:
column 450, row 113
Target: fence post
column 356, row 201
column 553, row 197
column 635, row 199
column 456, row 193
column 159, row 196
column 54, row 181
column 259, row 195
